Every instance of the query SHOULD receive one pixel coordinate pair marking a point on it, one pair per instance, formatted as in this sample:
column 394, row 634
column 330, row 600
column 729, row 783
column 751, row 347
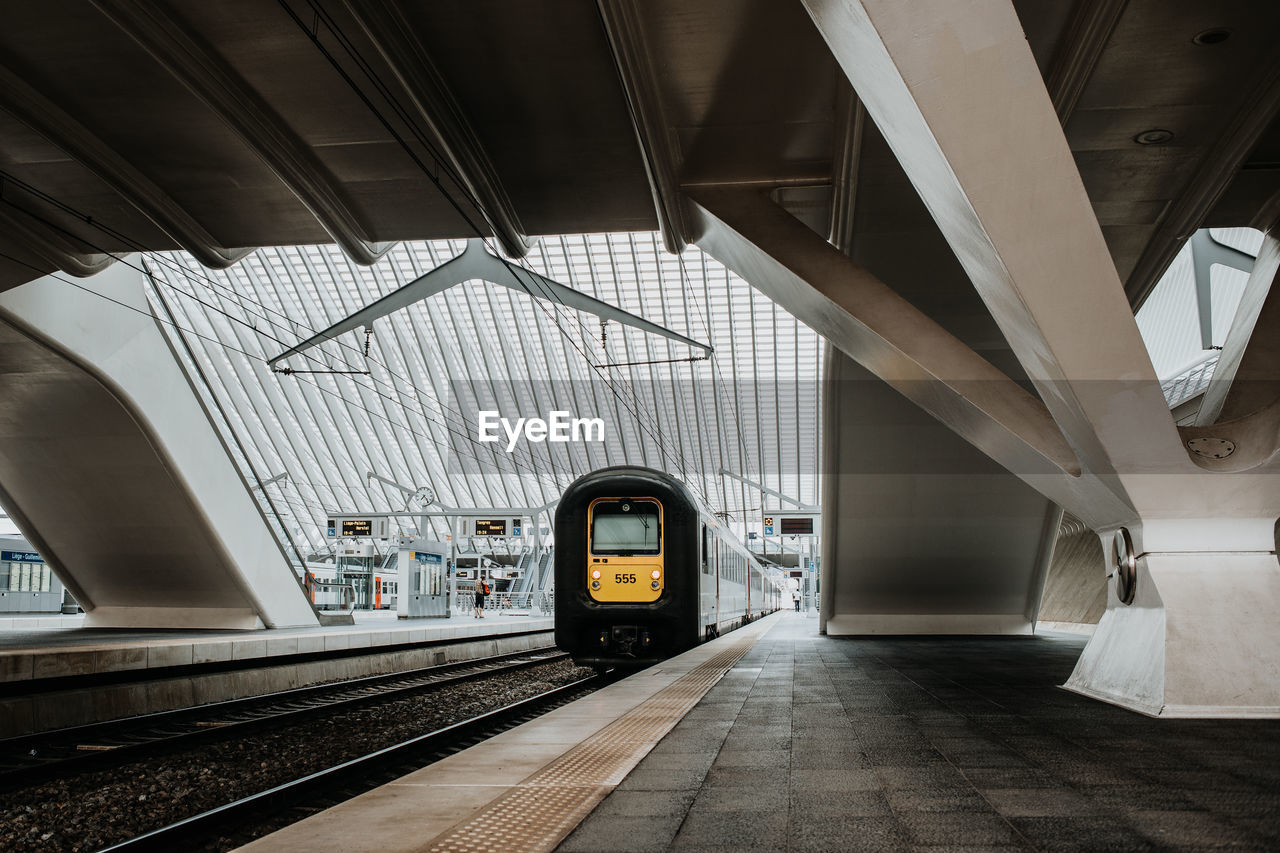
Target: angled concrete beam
column 960, row 100
column 210, row 78
column 392, row 35
column 1077, row 54
column 477, row 264
column 639, row 84
column 1205, row 252
column 868, row 321
column 1248, row 373
column 50, row 245
column 46, row 118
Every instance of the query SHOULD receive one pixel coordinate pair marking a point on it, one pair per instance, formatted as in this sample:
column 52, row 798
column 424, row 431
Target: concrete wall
column 923, row 534
column 1075, row 590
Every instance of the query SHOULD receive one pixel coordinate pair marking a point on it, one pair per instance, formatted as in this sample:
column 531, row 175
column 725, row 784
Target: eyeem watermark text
column 560, row 427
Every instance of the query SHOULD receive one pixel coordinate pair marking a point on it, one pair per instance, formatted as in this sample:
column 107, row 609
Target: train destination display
column 357, row 527
column 797, row 526
column 491, row 527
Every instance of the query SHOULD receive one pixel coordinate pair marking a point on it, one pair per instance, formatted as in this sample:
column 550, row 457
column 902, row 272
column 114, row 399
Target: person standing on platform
column 795, row 597
column 482, row 589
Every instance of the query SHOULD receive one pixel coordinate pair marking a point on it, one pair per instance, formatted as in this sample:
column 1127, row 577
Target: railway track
column 264, row 812
column 33, row 759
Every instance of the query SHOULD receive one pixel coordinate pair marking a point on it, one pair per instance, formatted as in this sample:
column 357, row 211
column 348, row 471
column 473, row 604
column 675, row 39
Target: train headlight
column 595, row 584
column 655, row 574
column 655, row 585
column 595, row 573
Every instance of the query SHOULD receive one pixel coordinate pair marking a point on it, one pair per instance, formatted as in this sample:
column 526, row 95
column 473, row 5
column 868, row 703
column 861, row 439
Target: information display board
column 357, row 527
column 797, row 526
column 491, row 527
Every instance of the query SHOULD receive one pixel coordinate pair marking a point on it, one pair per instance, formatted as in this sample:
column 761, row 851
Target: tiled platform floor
column 816, row 743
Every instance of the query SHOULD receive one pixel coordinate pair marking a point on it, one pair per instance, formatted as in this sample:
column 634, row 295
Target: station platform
column 60, row 648
column 63, row 675
column 775, row 738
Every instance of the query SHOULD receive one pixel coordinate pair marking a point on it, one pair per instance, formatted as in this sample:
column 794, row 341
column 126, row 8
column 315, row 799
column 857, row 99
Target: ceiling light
column 1155, row 136
column 1216, row 35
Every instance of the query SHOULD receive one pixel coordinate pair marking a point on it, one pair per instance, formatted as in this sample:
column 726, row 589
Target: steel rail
column 40, row 757
column 182, row 834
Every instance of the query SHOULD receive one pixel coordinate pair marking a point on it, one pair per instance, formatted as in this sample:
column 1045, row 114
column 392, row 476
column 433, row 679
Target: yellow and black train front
column 626, row 568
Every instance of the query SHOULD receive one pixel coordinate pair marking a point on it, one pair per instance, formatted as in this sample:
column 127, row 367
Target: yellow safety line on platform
column 538, row 813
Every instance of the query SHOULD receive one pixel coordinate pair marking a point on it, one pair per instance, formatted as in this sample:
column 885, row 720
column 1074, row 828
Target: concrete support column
column 114, row 471
column 955, row 91
column 1200, row 637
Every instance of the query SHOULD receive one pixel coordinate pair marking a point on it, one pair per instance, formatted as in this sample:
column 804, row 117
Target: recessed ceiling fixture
column 1155, row 136
column 1216, row 35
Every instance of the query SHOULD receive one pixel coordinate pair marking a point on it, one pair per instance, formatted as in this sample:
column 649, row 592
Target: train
column 644, row 571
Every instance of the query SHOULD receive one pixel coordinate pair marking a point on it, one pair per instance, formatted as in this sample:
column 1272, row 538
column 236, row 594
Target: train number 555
column 628, row 578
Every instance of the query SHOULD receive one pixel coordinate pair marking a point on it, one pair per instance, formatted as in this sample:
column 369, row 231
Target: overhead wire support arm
column 475, row 263
column 289, row 371
column 611, row 364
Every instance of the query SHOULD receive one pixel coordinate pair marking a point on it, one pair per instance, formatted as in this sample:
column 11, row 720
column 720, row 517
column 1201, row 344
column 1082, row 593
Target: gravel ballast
column 93, row 810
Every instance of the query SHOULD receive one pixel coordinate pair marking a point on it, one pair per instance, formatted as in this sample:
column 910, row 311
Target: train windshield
column 624, row 528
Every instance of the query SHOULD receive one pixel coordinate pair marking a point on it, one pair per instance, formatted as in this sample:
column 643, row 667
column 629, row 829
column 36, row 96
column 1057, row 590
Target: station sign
column 356, row 527
column 789, row 525
column 491, row 527
column 425, row 558
column 797, row 526
column 20, row 557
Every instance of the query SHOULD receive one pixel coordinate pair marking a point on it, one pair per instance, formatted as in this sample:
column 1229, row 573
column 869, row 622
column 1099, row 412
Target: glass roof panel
column 404, row 402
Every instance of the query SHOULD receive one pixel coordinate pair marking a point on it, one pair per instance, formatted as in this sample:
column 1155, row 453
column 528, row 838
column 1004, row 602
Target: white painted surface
column 117, row 475
column 1200, row 640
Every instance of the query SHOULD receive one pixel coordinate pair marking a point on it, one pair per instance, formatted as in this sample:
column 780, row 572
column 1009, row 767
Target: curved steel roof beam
column 1079, row 50
column 46, row 118
column 477, row 264
column 210, row 78
column 635, row 73
column 393, row 37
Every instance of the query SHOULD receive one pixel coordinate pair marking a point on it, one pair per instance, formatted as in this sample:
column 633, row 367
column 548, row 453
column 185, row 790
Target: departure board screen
column 797, row 526
column 357, row 527
column 491, row 527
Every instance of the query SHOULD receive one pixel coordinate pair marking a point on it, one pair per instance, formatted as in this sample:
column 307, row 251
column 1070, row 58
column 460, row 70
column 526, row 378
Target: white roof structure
column 406, row 410
column 1170, row 319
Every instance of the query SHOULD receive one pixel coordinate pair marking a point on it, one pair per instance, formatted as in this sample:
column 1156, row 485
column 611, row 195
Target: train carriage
column 645, row 571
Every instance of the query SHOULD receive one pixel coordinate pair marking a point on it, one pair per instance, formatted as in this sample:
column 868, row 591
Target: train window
column 625, row 527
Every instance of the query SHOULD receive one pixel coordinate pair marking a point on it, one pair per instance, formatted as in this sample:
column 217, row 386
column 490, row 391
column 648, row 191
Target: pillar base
column 177, row 618
column 1201, row 639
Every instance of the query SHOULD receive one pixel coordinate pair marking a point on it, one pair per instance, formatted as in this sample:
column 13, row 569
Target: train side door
column 718, row 570
column 704, row 569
